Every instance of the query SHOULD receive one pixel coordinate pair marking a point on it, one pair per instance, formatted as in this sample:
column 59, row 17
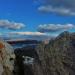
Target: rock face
column 25, row 58
column 55, row 58
column 58, row 57
column 6, row 58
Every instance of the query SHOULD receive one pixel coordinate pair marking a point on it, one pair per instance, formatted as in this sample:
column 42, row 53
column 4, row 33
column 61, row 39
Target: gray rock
column 6, row 58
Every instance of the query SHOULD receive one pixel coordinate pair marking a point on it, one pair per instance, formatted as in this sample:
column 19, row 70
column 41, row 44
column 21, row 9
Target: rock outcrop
column 57, row 57
column 54, row 58
column 6, row 58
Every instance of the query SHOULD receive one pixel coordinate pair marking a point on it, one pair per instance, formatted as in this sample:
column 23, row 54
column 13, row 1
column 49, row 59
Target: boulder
column 6, row 58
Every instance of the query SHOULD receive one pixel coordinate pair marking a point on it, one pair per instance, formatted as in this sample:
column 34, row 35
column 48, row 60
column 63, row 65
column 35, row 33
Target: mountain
column 57, row 57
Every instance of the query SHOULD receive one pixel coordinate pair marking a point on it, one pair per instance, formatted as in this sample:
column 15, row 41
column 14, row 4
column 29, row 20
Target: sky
column 36, row 18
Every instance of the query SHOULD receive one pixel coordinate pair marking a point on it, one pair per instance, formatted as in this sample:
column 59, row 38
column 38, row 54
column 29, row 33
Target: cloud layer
column 28, row 33
column 11, row 25
column 62, row 7
column 55, row 27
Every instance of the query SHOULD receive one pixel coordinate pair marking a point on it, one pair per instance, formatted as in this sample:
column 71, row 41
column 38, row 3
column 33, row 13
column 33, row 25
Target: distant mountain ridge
column 22, row 41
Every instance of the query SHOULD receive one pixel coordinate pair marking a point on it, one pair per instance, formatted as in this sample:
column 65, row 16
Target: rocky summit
column 57, row 57
column 54, row 58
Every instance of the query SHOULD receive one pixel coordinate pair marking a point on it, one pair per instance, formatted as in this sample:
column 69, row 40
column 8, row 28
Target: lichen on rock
column 6, row 54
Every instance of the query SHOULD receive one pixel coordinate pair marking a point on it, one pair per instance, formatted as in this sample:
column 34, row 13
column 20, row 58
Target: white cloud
column 55, row 27
column 62, row 7
column 28, row 33
column 11, row 25
column 60, row 10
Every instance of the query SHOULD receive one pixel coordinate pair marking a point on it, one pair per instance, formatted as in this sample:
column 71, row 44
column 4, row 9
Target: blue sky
column 30, row 14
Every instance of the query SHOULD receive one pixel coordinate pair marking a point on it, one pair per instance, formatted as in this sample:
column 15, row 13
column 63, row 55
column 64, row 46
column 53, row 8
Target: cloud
column 11, row 25
column 60, row 11
column 55, row 27
column 62, row 7
column 28, row 33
